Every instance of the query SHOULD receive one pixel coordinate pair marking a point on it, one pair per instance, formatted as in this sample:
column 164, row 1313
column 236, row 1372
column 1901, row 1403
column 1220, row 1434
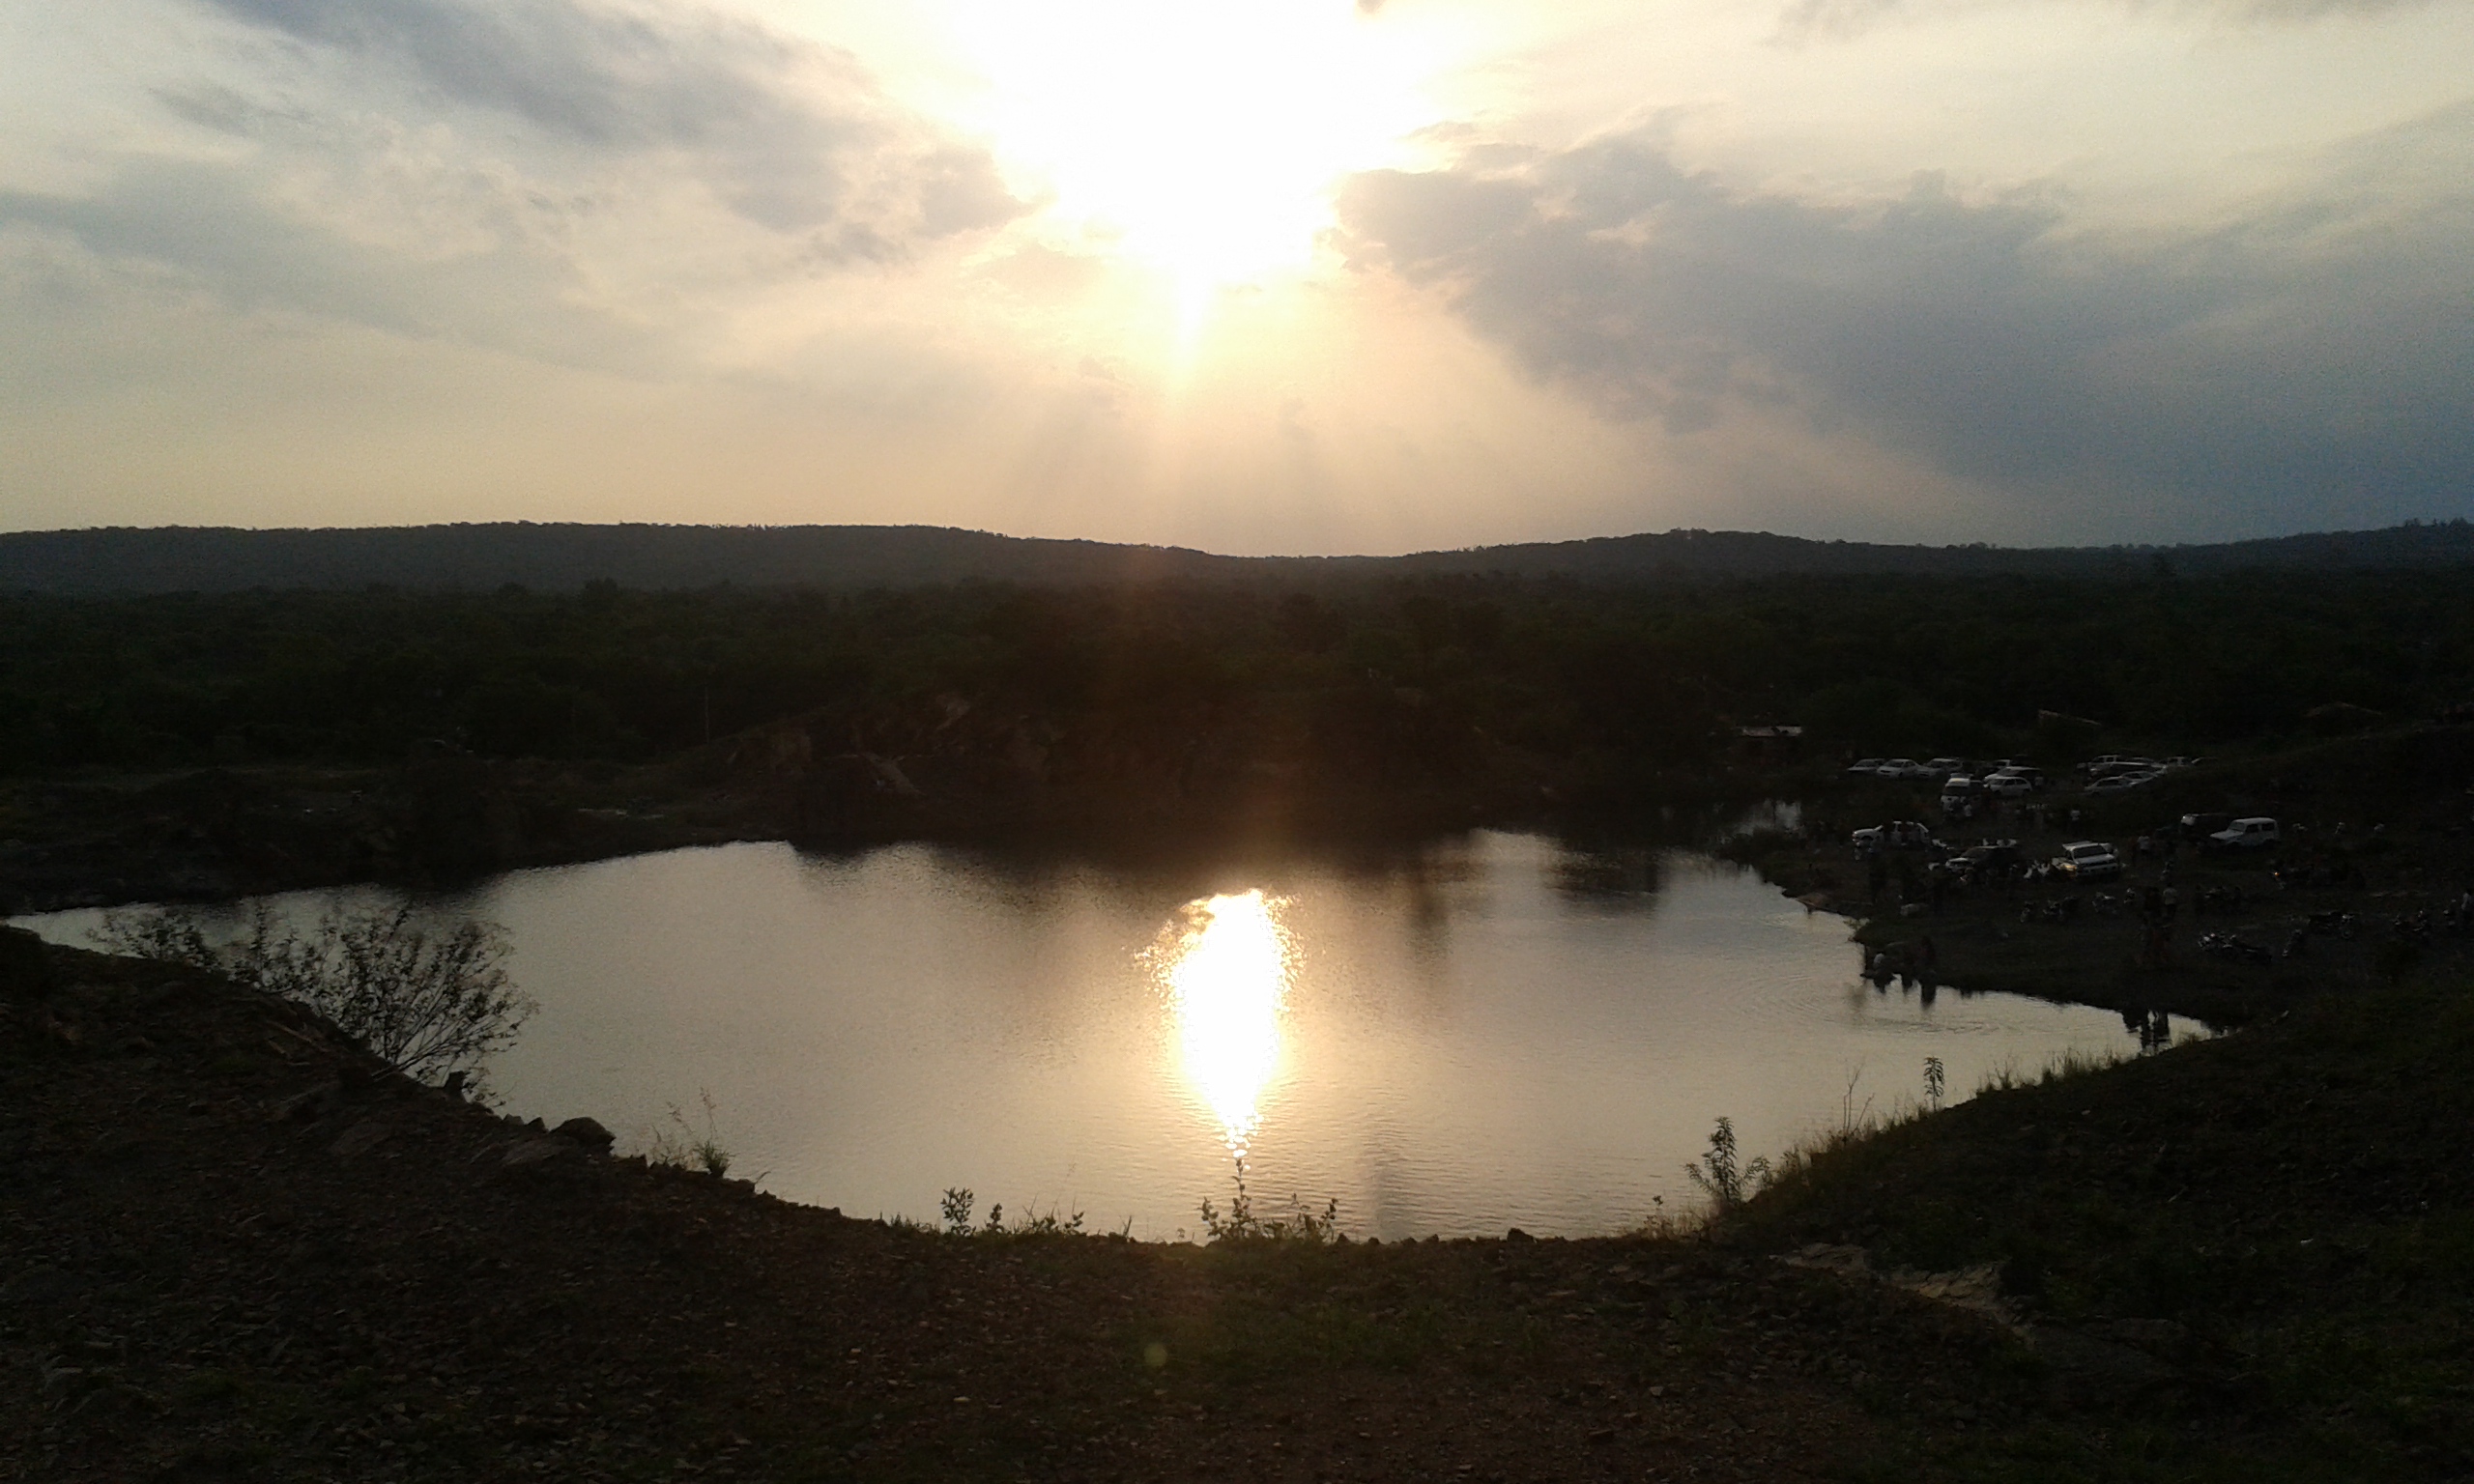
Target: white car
column 2088, row 860
column 2008, row 786
column 1908, row 768
column 2257, row 833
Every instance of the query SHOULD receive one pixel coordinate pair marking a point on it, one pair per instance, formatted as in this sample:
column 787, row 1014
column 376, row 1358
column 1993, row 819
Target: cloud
column 2314, row 354
column 569, row 180
column 1805, row 20
column 219, row 238
column 785, row 130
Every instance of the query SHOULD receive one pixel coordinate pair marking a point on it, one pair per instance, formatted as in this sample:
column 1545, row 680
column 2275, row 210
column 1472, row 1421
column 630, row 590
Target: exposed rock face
column 530, row 1153
column 586, row 1132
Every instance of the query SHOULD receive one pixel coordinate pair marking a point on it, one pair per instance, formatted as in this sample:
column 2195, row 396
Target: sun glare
column 1200, row 139
column 1228, row 980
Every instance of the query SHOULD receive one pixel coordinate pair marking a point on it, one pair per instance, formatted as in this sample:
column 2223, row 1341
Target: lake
column 1491, row 1030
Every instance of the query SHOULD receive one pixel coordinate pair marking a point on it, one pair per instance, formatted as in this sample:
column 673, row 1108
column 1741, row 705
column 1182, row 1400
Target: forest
column 1404, row 674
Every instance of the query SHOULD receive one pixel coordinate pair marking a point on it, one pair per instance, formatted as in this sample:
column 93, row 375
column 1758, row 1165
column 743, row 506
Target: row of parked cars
column 2116, row 773
column 1961, row 778
column 2081, row 860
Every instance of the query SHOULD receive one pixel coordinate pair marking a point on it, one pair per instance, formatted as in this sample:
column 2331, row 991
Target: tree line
column 1407, row 669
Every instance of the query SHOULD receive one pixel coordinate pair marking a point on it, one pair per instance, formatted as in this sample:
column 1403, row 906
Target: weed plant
column 954, row 1207
column 1239, row 1224
column 682, row 1147
column 1728, row 1182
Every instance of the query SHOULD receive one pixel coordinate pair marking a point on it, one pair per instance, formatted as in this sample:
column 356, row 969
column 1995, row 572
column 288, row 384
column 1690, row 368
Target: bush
column 424, row 1003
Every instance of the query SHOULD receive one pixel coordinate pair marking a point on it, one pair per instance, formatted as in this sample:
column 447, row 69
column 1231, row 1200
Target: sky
column 1278, row 276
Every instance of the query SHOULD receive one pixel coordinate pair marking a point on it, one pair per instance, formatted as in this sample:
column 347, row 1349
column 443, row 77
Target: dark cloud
column 788, row 132
column 2322, row 351
column 603, row 76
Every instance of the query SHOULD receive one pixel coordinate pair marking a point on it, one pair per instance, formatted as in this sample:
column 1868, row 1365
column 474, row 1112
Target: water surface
column 1491, row 1032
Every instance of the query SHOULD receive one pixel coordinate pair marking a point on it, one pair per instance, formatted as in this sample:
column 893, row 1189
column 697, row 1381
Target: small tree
column 424, row 1003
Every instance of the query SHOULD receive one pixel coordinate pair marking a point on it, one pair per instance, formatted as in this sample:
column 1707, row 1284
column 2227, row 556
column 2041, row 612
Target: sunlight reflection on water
column 1479, row 1032
column 1227, row 978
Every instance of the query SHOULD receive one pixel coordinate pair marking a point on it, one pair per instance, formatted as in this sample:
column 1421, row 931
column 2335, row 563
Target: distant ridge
column 562, row 557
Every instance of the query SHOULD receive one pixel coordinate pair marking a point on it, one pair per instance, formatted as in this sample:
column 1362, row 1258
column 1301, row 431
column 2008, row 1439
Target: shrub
column 424, row 1002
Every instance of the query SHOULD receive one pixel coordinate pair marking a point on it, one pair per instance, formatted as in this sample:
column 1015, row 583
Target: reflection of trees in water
column 2154, row 1028
column 1628, row 858
column 1600, row 876
column 1430, row 917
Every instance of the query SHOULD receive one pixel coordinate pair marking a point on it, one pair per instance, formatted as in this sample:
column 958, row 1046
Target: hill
column 563, row 557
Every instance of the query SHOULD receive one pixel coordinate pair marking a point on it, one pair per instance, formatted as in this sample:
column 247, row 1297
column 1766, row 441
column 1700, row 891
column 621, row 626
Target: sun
column 1203, row 140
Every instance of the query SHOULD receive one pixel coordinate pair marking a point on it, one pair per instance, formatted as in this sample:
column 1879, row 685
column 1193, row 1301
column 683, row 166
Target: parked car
column 1946, row 766
column 2257, row 833
column 2119, row 783
column 1957, row 792
column 2088, row 860
column 1988, row 855
column 1866, row 767
column 1908, row 768
column 1897, row 835
column 2114, row 761
column 2008, row 786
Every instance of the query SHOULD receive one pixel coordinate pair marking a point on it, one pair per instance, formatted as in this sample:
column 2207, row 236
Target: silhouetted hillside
column 563, row 557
